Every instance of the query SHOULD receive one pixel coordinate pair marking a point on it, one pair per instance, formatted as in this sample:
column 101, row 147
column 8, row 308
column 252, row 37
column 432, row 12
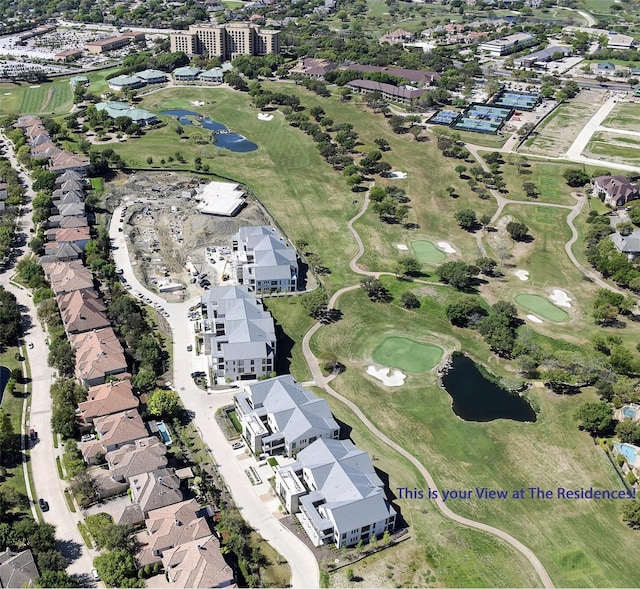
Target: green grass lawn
column 426, row 252
column 542, row 307
column 405, row 354
column 624, row 116
column 599, row 6
column 614, row 147
column 52, row 98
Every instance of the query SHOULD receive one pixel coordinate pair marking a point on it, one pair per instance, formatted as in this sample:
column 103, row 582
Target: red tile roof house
column 615, row 191
column 171, row 526
column 98, row 355
column 129, row 461
column 197, row 564
column 106, row 399
column 66, row 160
column 78, row 235
column 68, row 276
column 115, row 431
column 82, row 310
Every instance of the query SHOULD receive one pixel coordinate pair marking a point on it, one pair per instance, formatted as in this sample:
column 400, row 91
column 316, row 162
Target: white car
column 87, row 438
column 95, row 575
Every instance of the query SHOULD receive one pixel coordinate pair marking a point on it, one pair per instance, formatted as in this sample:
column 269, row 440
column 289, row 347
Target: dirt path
column 323, row 382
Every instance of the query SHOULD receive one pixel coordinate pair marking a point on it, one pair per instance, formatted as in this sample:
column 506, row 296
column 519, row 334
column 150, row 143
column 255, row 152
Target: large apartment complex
column 226, row 41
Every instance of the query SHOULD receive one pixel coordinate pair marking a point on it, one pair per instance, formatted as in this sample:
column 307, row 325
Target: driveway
column 254, row 503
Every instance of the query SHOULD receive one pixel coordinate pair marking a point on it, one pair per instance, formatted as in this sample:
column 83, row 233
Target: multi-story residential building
column 238, row 334
column 336, row 494
column 280, row 416
column 264, row 260
column 226, row 41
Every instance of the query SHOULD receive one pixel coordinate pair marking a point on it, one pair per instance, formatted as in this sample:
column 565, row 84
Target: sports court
column 520, row 100
column 483, row 118
column 444, row 117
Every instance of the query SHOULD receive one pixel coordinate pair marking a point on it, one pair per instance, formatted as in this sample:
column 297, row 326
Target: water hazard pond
column 477, row 399
column 223, row 137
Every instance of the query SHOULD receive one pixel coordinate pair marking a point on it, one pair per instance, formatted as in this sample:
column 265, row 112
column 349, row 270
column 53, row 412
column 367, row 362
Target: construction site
column 175, row 248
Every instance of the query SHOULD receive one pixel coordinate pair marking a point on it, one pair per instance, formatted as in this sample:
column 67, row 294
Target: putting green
column 542, row 307
column 405, row 354
column 426, row 252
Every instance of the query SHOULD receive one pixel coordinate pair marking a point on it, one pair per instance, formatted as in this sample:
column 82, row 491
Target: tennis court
column 521, row 100
column 444, row 117
column 483, row 118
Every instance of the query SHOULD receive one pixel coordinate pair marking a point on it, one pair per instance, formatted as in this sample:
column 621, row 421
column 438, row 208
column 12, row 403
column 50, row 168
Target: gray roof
column 273, row 259
column 544, row 54
column 159, row 488
column 347, row 482
column 17, row 569
column 627, row 244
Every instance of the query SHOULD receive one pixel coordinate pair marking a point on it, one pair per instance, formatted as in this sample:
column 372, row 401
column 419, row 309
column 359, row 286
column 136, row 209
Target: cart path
column 323, row 382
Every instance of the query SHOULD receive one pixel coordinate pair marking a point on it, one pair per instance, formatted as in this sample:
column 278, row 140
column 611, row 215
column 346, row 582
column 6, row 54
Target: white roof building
column 221, row 198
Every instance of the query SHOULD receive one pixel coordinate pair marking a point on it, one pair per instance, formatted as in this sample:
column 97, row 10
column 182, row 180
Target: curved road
column 253, row 501
column 323, row 382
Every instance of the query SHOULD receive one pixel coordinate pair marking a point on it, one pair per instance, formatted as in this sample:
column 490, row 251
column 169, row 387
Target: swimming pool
column 164, row 433
column 629, row 412
column 629, row 451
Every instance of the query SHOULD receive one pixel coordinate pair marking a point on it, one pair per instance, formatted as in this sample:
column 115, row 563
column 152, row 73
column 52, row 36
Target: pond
column 5, row 375
column 477, row 399
column 223, row 137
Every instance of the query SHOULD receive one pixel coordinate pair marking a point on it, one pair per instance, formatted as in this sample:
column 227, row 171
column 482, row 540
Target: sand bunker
column 197, row 103
column 37, row 86
column 522, row 274
column 7, row 93
column 263, row 116
column 402, row 247
column 560, row 298
column 388, row 376
column 446, row 247
column 397, row 175
column 534, row 319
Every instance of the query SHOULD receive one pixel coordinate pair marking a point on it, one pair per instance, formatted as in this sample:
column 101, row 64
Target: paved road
column 255, row 502
column 323, row 382
column 42, row 456
column 583, row 138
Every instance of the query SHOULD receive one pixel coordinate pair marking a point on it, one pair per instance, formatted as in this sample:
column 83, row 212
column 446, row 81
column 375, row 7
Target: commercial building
column 226, row 41
column 111, row 43
column 508, row 44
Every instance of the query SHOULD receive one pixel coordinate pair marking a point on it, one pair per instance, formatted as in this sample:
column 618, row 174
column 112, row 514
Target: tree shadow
column 70, row 549
column 285, row 351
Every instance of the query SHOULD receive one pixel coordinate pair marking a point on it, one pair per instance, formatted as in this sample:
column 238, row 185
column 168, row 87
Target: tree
column 315, row 303
column 628, row 431
column 163, row 403
column 485, row 220
column 518, row 231
column 457, row 274
column 408, row 266
column 10, row 318
column 575, row 177
column 7, row 434
column 466, row 218
column 63, row 420
column 62, row 356
column 595, row 417
column 117, row 568
column 486, row 265
column 409, row 300
column 530, row 189
column 375, row 290
column 54, row 579
column 631, row 513
column 468, row 309
column 460, row 170
column 52, row 560
column 144, row 381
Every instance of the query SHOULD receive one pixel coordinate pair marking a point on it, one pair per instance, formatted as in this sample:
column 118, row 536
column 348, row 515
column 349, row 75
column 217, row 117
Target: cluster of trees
column 376, row 291
column 10, row 318
column 389, row 203
column 608, row 305
column 450, row 145
column 40, row 539
column 142, row 60
column 66, row 393
column 264, row 67
column 458, row 274
column 118, row 568
column 605, row 257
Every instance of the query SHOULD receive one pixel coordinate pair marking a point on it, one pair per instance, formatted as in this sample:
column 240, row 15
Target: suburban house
column 68, row 276
column 336, row 494
column 615, row 191
column 402, row 94
column 128, row 461
column 77, row 235
column 62, row 252
column 82, row 310
column 98, row 355
column 238, row 334
column 171, row 526
column 17, row 569
column 627, row 244
column 396, row 37
column 198, row 563
column 264, row 260
column 155, row 489
column 112, row 397
column 115, row 431
column 508, row 44
column 280, row 416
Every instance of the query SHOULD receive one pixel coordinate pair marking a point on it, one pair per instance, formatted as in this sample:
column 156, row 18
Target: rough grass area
column 541, row 306
column 614, row 147
column 624, row 116
column 405, row 354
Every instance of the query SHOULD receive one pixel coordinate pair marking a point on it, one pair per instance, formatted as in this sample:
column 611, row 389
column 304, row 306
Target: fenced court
column 520, row 100
column 483, row 118
column 444, row 117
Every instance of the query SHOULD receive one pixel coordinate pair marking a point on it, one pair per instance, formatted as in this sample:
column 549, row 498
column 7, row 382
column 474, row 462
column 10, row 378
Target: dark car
column 44, row 506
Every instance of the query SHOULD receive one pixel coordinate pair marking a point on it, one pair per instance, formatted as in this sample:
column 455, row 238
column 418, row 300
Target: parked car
column 237, row 445
column 87, row 437
column 44, row 506
column 30, row 345
column 95, row 575
column 33, row 434
column 189, row 348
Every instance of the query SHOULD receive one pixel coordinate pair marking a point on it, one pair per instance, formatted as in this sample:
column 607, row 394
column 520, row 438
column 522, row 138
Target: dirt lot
column 164, row 230
column 555, row 135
